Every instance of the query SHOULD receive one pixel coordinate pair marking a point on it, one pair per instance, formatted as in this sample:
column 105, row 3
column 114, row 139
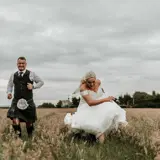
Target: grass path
column 51, row 141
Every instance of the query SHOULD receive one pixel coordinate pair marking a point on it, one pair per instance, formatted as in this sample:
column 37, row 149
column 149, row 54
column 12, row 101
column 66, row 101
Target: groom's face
column 21, row 64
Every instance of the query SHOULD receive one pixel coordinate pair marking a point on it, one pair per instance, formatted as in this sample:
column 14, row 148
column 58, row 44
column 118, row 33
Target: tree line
column 140, row 100
column 73, row 104
column 137, row 100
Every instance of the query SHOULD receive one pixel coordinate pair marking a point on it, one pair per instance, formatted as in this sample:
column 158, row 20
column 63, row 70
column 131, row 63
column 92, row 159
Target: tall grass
column 133, row 143
column 53, row 140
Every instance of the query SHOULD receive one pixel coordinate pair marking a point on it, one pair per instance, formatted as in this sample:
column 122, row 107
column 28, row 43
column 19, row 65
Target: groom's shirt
column 37, row 82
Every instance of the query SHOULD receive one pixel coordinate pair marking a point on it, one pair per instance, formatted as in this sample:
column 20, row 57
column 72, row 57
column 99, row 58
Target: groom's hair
column 22, row 58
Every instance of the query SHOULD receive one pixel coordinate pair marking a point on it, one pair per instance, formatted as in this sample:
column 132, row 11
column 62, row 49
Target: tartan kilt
column 27, row 115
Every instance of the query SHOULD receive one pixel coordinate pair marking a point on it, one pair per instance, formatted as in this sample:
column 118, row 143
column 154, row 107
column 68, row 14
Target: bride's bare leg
column 101, row 138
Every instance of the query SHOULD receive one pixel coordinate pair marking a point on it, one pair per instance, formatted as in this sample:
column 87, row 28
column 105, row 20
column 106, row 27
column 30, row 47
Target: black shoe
column 17, row 130
column 30, row 131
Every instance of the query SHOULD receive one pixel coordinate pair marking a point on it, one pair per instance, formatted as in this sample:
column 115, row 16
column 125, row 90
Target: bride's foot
column 101, row 138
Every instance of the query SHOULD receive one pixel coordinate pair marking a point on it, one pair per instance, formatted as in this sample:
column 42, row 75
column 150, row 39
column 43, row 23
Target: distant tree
column 140, row 97
column 121, row 100
column 127, row 99
column 157, row 98
column 153, row 93
column 46, row 105
column 75, row 101
column 59, row 104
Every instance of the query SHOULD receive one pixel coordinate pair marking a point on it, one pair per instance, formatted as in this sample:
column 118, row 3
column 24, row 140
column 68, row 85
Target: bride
column 96, row 113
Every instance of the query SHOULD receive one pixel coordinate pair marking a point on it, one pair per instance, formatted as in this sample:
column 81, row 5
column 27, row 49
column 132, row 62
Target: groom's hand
column 29, row 86
column 9, row 96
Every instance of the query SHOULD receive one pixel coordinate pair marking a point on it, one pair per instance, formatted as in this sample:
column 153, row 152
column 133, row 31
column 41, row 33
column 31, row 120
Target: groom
column 23, row 108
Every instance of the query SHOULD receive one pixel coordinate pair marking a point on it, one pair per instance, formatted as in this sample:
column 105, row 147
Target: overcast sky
column 63, row 39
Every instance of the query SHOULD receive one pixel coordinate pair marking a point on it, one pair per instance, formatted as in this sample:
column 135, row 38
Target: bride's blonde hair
column 89, row 74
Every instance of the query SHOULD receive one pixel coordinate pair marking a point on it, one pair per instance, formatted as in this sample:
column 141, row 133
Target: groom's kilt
column 27, row 115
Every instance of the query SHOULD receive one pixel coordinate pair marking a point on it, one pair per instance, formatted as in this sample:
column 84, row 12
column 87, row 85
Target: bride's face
column 91, row 82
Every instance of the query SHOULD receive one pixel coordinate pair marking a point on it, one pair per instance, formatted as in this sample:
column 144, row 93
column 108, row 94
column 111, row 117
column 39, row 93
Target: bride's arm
column 92, row 102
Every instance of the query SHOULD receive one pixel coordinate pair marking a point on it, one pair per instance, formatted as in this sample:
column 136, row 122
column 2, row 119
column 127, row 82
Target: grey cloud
column 61, row 40
column 63, row 79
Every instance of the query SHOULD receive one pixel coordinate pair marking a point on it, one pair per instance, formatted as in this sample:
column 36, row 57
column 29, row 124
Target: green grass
column 114, row 148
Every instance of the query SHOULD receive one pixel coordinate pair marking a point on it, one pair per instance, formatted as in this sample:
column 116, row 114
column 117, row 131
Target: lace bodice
column 94, row 95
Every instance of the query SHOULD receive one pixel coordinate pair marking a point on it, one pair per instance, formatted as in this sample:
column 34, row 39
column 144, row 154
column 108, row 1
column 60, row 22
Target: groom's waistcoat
column 20, row 86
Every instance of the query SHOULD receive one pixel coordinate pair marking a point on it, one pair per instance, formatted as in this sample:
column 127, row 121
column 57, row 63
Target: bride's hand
column 110, row 98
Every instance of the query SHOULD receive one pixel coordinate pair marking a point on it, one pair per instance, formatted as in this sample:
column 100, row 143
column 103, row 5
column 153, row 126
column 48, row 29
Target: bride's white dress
column 97, row 119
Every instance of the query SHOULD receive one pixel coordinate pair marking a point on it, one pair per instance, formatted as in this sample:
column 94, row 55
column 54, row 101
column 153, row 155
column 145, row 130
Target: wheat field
column 140, row 140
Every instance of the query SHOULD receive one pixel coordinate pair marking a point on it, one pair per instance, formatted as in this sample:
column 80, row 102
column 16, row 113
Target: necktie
column 21, row 74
